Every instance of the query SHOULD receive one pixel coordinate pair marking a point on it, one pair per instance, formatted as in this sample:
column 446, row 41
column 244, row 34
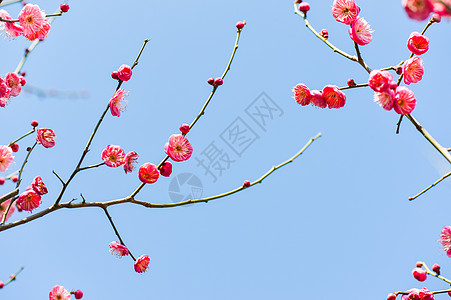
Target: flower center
column 30, row 19
column 178, row 148
column 112, row 157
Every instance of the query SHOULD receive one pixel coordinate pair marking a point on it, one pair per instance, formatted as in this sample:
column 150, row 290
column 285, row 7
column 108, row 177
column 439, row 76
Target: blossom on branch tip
column 302, row 94
column 142, row 263
column 45, row 137
column 345, row 11
column 416, row 294
column 29, row 200
column 59, row 293
column 39, row 186
column 130, row 159
column 445, row 239
column 2, row 180
column 361, row 32
column 6, row 157
column 391, row 296
column 379, row 80
column 118, row 249
column 333, row 96
column 240, row 25
column 385, row 98
column 113, row 156
column 419, row 274
column 2, row 284
column 178, row 148
column 404, row 100
column 304, row 7
column 78, row 294
column 64, row 7
column 15, row 147
column 417, row 43
column 4, row 207
column 418, row 9
column 124, row 73
column 148, row 173
column 184, row 128
column 413, row 70
column 118, row 102
column 12, row 29
column 436, row 269
column 14, row 178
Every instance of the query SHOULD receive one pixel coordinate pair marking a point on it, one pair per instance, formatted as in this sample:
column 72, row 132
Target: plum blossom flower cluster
column 31, row 198
column 331, row 96
column 114, row 156
column 422, row 9
column 10, row 86
column 32, row 23
column 141, row 264
column 58, row 292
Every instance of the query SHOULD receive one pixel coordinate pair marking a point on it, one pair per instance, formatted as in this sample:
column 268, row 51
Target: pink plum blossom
column 417, row 43
column 41, row 34
column 59, row 293
column 6, row 157
column 445, row 239
column 46, row 137
column 166, row 169
column 418, row 9
column 404, row 100
column 178, row 148
column 385, row 98
column 39, row 186
column 317, row 99
column 124, row 72
column 345, row 11
column 380, row 80
column 12, row 29
column 148, row 173
column 130, row 159
column 361, row 32
column 13, row 82
column 29, row 200
column 118, row 249
column 413, row 70
column 142, row 263
column 4, row 207
column 302, row 94
column 416, row 294
column 113, row 156
column 31, row 19
column 118, row 102
column 333, row 96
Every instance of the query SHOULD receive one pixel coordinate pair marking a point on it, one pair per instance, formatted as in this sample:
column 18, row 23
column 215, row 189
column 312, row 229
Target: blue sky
column 335, row 223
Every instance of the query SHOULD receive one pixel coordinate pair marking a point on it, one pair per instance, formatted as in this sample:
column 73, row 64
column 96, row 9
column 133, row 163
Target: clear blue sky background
column 336, row 223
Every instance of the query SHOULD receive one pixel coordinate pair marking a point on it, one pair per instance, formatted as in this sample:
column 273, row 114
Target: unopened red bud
column 78, row 294
column 304, row 7
column 14, row 147
column 23, row 74
column 184, row 128
column 324, row 33
column 393, row 85
column 419, row 274
column 166, row 169
column 2, row 284
column 14, row 178
column 246, row 184
column 298, row 1
column 12, row 277
column 34, row 123
column 436, row 269
column 114, row 75
column 2, row 180
column 28, row 149
column 399, row 70
column 419, row 264
column 19, row 208
column 219, row 81
column 436, row 18
column 351, row 82
column 23, row 81
column 211, row 81
column 391, row 296
column 27, row 51
column 64, row 7
column 240, row 25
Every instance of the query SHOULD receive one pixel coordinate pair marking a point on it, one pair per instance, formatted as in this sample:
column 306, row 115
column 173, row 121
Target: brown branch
column 117, row 232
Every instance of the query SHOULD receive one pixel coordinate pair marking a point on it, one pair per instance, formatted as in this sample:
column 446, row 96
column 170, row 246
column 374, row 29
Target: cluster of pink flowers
column 31, row 198
column 347, row 12
column 421, row 9
column 32, row 23
column 114, row 156
column 416, row 294
column 141, row 264
column 58, row 292
column 124, row 73
column 10, row 86
column 389, row 95
column 331, row 96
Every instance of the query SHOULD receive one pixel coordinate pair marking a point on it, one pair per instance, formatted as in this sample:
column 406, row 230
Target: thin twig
column 9, row 195
column 13, row 277
column 360, row 59
column 57, row 176
column 354, row 86
column 429, row 187
column 117, row 232
column 202, row 111
column 25, row 135
column 9, row 2
column 92, row 166
column 17, row 20
column 428, row 271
